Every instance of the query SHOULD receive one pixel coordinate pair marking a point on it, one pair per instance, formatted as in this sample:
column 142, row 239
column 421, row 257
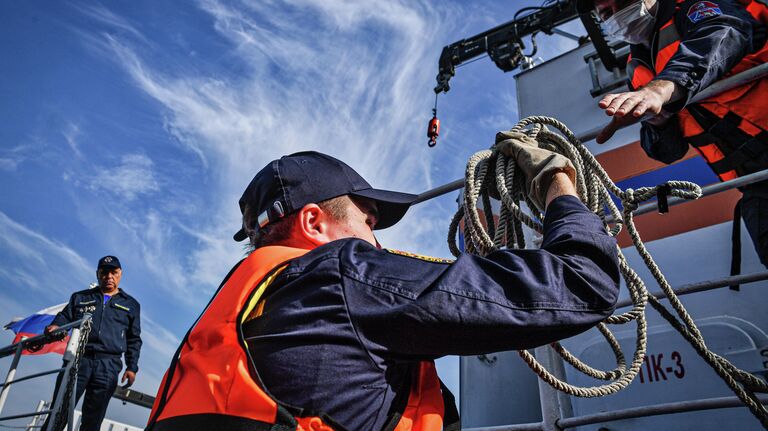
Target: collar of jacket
column 664, row 13
column 119, row 292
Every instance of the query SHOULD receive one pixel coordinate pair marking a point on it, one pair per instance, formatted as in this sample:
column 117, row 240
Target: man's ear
column 313, row 225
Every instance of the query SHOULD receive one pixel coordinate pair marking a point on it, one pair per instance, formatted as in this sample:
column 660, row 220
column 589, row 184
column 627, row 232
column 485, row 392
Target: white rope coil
column 490, row 173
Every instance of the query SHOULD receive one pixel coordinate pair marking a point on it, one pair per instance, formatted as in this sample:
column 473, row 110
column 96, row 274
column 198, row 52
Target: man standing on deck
column 115, row 330
column 319, row 328
column 677, row 49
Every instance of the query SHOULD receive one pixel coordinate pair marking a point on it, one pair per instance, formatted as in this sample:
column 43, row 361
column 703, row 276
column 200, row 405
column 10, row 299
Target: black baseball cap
column 285, row 185
column 108, row 262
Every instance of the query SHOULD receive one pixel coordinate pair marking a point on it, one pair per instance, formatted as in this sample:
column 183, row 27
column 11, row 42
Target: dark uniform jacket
column 709, row 48
column 116, row 327
column 345, row 324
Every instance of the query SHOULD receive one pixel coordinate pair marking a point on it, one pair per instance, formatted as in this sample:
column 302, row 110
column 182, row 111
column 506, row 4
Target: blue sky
column 131, row 128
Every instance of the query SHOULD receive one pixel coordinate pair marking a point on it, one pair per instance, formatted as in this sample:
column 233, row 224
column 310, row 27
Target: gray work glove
column 538, row 165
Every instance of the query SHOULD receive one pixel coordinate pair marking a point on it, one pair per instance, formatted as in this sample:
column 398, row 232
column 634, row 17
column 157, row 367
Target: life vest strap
column 451, row 419
column 738, row 146
column 749, row 150
column 716, row 129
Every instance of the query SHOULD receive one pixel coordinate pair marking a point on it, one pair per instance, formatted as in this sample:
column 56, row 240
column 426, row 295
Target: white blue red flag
column 34, row 325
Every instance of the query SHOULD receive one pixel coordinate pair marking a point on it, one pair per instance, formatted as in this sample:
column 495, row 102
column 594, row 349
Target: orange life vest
column 729, row 129
column 211, row 383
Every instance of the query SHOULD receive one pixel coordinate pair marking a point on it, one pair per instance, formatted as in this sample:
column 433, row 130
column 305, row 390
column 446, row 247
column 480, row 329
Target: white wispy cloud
column 350, row 84
column 34, row 262
column 71, row 134
column 134, row 176
column 158, row 343
column 9, row 164
column 103, row 15
column 11, row 158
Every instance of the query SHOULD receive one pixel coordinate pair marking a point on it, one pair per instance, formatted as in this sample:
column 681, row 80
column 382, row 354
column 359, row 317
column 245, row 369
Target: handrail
column 26, row 415
column 134, row 397
column 439, row 191
column 657, row 410
column 718, row 87
column 709, row 190
column 633, row 412
column 32, row 376
column 71, row 356
column 11, row 348
column 707, row 285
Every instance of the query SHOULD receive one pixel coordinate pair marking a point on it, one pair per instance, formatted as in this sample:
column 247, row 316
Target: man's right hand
column 543, row 169
column 50, row 328
column 630, row 107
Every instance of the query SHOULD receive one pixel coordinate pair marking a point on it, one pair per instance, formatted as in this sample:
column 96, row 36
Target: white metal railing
column 67, row 373
column 106, row 424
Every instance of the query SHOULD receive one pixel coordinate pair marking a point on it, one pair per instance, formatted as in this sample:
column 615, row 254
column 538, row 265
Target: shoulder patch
column 703, row 9
column 419, row 256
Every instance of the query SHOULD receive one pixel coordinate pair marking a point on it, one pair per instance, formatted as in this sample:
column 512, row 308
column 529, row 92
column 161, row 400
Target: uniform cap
column 285, row 185
column 108, row 262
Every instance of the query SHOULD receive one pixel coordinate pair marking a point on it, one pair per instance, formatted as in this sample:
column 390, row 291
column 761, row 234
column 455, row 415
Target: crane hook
column 433, row 128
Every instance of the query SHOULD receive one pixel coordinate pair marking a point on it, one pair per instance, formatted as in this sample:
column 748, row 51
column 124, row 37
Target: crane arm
column 502, row 43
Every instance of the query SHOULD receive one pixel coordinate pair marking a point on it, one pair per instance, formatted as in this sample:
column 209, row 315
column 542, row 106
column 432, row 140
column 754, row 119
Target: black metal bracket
column 661, row 197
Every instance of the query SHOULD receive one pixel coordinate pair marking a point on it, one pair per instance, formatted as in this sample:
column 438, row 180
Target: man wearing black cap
column 115, row 331
column 322, row 327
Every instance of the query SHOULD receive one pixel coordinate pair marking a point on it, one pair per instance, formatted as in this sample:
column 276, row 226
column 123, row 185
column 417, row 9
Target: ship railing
column 553, row 404
column 630, row 413
column 70, row 358
column 106, row 424
column 711, row 189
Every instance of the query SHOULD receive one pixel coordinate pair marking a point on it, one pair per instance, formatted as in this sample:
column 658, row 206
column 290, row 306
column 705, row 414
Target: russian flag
column 34, row 325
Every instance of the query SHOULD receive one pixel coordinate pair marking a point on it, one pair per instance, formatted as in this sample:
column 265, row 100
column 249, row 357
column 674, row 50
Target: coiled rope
column 490, row 174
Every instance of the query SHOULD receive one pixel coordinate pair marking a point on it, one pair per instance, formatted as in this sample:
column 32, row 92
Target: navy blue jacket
column 709, row 48
column 116, row 325
column 344, row 326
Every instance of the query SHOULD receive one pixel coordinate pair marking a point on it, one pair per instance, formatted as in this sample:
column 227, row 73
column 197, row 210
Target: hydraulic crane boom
column 504, row 43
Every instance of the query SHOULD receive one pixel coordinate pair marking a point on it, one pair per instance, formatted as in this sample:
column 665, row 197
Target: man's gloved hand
column 538, row 165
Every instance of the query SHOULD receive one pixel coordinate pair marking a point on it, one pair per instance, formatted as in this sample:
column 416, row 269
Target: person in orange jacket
column 677, row 49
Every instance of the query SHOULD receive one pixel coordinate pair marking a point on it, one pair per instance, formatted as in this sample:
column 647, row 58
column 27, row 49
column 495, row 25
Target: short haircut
column 281, row 230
